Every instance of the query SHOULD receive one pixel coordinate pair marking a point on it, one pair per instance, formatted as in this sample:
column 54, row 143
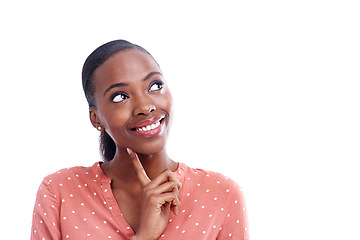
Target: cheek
column 115, row 121
column 167, row 105
column 166, row 102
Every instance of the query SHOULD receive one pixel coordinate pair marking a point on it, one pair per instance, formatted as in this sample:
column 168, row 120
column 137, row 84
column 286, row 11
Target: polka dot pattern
column 78, row 203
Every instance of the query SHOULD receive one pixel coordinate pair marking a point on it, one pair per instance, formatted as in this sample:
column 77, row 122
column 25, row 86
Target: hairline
column 91, row 76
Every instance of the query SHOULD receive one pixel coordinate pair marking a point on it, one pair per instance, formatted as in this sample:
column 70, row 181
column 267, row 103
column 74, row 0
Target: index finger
column 139, row 169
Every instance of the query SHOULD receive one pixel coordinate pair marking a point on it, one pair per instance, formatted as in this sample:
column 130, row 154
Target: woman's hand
column 159, row 197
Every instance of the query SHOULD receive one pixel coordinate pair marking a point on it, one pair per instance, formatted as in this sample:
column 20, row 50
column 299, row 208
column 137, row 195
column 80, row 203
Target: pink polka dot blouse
column 77, row 203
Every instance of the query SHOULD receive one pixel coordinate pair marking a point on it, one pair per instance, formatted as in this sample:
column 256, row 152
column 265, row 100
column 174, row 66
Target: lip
column 147, row 122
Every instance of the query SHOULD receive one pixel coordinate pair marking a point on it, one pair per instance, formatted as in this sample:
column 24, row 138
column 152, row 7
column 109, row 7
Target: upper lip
column 146, row 122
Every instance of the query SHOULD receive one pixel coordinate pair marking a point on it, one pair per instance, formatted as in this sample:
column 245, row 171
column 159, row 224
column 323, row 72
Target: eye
column 156, row 86
column 118, row 97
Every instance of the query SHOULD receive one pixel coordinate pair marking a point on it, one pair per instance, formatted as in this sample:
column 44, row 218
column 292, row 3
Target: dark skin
column 130, row 92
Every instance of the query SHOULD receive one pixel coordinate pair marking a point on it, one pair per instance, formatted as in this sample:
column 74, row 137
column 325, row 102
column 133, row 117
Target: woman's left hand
column 159, row 197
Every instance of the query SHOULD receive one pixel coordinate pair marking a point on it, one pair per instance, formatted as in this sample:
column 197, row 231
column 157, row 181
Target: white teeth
column 149, row 127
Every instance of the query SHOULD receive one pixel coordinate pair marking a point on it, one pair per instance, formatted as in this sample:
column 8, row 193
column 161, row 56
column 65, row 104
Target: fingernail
column 128, row 150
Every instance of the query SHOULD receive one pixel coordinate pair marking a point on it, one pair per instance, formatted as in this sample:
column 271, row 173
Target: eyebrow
column 125, row 84
column 114, row 86
column 151, row 74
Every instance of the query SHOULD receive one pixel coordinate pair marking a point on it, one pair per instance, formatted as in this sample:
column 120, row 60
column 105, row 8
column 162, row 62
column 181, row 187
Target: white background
column 266, row 92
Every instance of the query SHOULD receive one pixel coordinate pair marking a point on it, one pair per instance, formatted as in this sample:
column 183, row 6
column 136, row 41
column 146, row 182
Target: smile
column 149, row 128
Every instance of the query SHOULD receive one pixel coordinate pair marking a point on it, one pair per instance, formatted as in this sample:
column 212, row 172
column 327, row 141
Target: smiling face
column 133, row 102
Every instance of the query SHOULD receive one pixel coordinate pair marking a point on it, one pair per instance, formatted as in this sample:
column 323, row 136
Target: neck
column 121, row 170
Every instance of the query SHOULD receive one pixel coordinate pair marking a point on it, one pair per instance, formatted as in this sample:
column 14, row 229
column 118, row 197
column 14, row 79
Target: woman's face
column 133, row 102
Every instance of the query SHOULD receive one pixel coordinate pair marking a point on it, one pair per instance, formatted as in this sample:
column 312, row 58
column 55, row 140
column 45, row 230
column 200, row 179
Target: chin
column 150, row 144
column 150, row 149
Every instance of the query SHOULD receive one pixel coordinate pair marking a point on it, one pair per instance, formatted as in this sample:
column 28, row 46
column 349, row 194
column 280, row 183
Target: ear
column 94, row 118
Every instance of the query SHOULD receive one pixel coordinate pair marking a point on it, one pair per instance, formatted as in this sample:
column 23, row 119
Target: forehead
column 126, row 65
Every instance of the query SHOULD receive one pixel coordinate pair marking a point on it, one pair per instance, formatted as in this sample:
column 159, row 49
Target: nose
column 144, row 107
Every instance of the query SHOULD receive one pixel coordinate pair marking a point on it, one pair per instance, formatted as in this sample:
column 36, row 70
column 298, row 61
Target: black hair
column 93, row 61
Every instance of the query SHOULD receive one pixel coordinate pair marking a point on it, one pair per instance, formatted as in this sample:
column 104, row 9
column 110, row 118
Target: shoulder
column 206, row 177
column 77, row 172
column 204, row 181
column 71, row 179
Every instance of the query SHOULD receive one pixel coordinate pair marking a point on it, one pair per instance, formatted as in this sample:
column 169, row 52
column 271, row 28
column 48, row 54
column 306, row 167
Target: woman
column 137, row 192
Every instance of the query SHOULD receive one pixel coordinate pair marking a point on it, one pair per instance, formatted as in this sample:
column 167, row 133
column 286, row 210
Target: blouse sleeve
column 45, row 223
column 235, row 225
